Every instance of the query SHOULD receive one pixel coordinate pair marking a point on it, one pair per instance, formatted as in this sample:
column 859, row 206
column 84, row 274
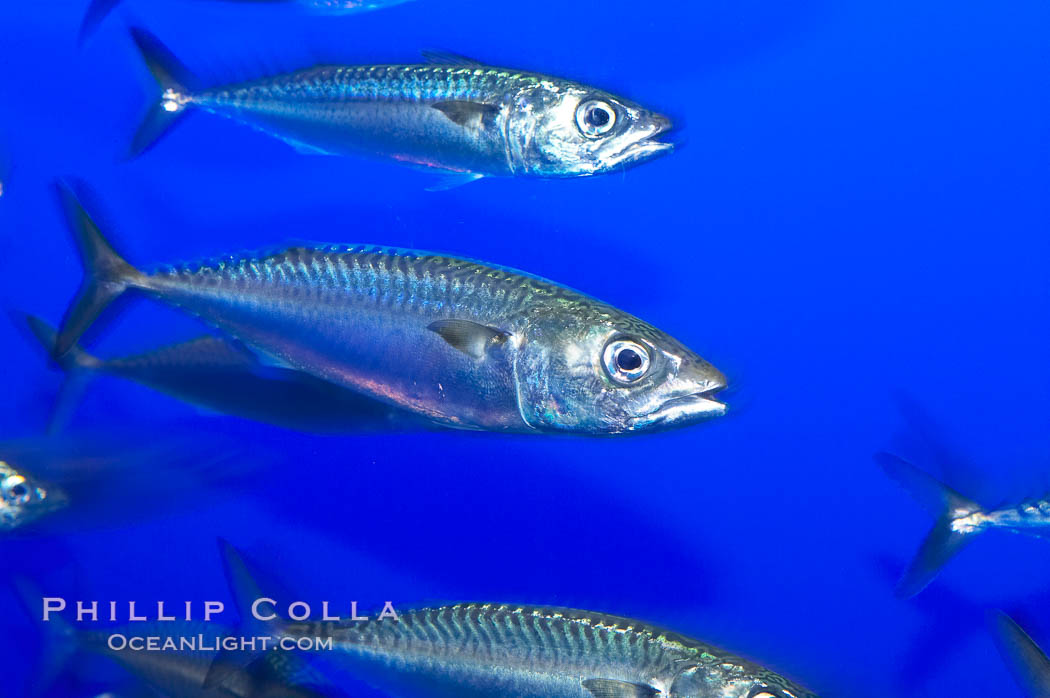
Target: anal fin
column 452, row 181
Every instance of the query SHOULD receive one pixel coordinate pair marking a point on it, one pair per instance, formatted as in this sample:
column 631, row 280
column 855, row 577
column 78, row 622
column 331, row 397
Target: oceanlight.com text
column 118, row 642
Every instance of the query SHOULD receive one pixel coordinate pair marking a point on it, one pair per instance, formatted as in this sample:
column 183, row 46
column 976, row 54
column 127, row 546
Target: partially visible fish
column 455, row 116
column 171, row 673
column 216, row 374
column 959, row 520
column 24, row 498
column 486, row 650
column 461, row 343
column 98, row 10
column 1026, row 661
column 94, row 480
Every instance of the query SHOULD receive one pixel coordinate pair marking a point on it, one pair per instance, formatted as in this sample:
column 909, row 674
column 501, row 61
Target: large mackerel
column 487, row 650
column 465, row 344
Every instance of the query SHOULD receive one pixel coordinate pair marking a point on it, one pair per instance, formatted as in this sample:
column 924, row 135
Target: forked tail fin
column 948, row 535
column 106, row 274
column 1029, row 664
column 176, row 84
column 79, row 366
column 244, row 590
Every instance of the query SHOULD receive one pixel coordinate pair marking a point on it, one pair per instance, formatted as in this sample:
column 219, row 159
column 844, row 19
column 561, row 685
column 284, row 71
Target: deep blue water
column 857, row 221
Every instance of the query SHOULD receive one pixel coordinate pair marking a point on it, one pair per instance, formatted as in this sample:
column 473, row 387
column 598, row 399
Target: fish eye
column 625, row 360
column 14, row 488
column 595, row 118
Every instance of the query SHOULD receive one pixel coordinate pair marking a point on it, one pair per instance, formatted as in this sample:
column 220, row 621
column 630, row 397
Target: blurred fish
column 169, row 673
column 24, row 499
column 453, row 115
column 464, row 344
column 1029, row 664
column 482, row 649
column 216, row 374
column 94, row 480
column 98, row 10
column 959, row 520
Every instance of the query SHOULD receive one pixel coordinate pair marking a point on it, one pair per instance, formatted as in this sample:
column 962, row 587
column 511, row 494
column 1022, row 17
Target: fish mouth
column 647, row 147
column 684, row 408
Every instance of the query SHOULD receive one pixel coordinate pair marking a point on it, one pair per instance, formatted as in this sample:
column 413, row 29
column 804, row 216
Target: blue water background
column 857, row 218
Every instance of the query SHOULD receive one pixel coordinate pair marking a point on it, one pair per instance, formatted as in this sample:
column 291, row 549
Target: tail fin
column 1029, row 664
column 106, row 274
column 79, row 367
column 946, row 538
column 74, row 359
column 243, row 587
column 60, row 639
column 176, row 84
column 97, row 11
column 244, row 590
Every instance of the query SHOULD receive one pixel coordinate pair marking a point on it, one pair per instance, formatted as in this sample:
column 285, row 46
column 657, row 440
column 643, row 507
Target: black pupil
column 18, row 490
column 628, row 360
column 597, row 117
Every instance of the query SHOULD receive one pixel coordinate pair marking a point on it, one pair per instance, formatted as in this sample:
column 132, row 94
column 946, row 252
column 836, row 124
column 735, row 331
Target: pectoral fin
column 610, row 688
column 469, row 337
column 467, row 114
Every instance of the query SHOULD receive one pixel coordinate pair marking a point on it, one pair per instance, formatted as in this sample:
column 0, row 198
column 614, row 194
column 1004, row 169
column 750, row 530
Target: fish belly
column 437, row 676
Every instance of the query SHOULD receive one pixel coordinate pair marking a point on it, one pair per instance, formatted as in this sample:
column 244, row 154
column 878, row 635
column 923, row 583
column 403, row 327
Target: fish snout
column 700, row 382
column 692, row 400
column 660, row 124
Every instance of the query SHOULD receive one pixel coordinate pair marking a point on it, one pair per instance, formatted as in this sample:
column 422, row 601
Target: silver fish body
column 462, row 343
column 464, row 118
column 535, row 652
column 1030, row 517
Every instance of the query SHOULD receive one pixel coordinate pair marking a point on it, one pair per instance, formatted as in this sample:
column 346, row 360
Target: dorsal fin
column 447, row 58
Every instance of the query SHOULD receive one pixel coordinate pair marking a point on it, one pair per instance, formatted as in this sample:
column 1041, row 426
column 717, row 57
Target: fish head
column 735, row 679
column 584, row 367
column 23, row 499
column 570, row 130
